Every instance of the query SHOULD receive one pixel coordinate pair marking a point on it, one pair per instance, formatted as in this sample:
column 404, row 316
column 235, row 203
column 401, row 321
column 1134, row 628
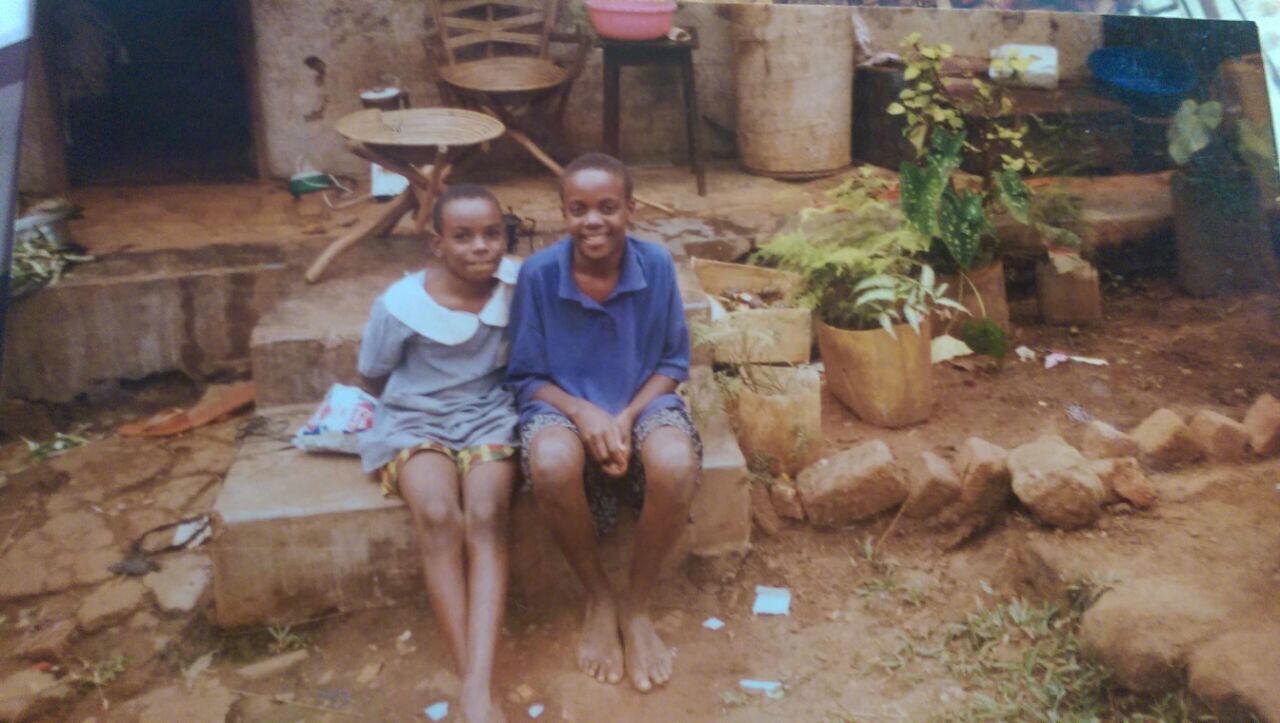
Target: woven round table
column 401, row 141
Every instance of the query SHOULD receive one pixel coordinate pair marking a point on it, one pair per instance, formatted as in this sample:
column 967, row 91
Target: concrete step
column 300, row 534
column 311, row 338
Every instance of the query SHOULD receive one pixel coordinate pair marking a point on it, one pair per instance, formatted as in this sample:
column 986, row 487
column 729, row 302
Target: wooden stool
column 619, row 53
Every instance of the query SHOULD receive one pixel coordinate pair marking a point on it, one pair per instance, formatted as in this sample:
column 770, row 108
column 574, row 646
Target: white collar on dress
column 408, row 301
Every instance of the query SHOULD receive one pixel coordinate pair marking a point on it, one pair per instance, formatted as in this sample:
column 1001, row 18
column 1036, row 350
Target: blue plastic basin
column 1149, row 81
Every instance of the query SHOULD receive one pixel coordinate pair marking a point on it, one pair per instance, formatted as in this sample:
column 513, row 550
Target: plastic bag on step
column 335, row 425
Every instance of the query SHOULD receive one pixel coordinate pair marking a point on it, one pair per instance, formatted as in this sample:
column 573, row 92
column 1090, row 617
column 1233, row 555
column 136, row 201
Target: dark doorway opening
column 152, row 91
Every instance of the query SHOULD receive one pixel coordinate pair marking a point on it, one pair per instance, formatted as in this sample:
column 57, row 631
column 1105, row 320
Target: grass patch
column 1023, row 661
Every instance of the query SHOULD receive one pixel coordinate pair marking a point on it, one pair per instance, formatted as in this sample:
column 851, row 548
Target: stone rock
column 1263, row 423
column 27, row 693
column 1123, row 479
column 934, row 485
column 1222, row 438
column 180, row 581
column 1236, row 674
column 853, row 485
column 73, row 548
column 984, row 489
column 1054, row 480
column 48, row 643
column 272, row 666
column 1164, row 441
column 766, row 518
column 1103, row 441
column 786, row 502
column 1145, row 629
column 204, row 702
column 111, row 603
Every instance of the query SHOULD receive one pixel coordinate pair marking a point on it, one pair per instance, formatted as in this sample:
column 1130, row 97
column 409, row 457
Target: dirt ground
column 880, row 629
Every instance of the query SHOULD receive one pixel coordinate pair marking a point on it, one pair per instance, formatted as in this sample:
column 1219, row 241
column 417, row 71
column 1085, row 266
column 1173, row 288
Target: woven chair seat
column 504, row 75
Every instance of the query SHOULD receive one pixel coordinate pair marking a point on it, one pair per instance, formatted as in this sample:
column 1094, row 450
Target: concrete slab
column 298, row 535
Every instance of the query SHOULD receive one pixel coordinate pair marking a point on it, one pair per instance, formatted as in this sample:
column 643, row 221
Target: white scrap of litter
column 437, row 711
column 771, row 688
column 404, row 637
column 718, row 311
column 1025, row 353
column 713, row 623
column 1057, row 358
column 947, row 347
column 193, row 533
column 772, row 601
column 535, row 710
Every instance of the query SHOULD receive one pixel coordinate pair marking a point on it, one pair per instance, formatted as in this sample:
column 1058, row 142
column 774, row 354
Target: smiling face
column 596, row 210
column 472, row 238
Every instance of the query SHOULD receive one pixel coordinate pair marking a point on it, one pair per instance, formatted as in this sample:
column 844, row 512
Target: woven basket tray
column 504, row 75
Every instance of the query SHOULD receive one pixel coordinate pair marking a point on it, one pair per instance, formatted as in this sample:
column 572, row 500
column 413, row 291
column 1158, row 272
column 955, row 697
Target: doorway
column 151, row 91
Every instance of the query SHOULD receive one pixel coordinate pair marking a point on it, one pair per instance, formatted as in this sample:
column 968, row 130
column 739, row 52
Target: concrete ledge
column 298, row 535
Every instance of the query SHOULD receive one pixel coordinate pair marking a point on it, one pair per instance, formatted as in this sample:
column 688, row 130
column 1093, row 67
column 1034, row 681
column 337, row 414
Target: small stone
column 1144, row 630
column 934, row 485
column 1103, row 441
column 1222, row 438
column 368, row 673
column 1055, row 482
column 1236, row 674
column 111, row 603
column 1123, row 479
column 523, row 693
column 272, row 666
column 180, row 581
column 143, row 620
column 49, row 642
column 762, row 511
column 786, row 502
column 853, row 485
column 1263, row 423
column 1165, row 442
column 29, row 692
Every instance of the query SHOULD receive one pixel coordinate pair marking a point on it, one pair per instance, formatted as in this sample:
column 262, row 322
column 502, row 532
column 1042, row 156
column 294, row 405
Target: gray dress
column 446, row 371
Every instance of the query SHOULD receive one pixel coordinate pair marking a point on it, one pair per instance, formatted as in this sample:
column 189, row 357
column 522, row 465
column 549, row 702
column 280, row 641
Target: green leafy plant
column 1192, row 130
column 1203, row 141
column 894, row 298
column 855, row 236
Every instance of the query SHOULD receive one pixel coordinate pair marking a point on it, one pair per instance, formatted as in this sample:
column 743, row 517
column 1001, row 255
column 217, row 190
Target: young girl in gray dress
column 443, row 437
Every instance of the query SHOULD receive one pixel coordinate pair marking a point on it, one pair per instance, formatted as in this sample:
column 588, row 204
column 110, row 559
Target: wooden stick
column 399, row 207
column 426, row 200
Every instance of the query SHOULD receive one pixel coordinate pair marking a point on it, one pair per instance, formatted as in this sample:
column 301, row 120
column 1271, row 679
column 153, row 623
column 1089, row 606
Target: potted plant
column 754, row 320
column 1068, row 290
column 956, row 213
column 1218, row 221
column 856, row 261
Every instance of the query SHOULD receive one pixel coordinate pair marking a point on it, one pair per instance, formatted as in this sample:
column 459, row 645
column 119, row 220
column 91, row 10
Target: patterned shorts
column 605, row 493
column 465, row 459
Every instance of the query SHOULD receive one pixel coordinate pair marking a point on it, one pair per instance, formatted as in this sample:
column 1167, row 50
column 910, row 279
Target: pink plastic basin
column 631, row 19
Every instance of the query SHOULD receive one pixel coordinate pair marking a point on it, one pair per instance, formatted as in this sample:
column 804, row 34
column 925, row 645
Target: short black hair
column 598, row 162
column 464, row 192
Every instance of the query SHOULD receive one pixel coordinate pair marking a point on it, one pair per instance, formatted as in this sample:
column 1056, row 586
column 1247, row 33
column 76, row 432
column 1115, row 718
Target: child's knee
column 555, row 458
column 486, row 518
column 670, row 458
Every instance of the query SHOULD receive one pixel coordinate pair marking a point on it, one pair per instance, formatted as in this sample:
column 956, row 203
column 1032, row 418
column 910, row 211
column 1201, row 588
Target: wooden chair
column 495, row 58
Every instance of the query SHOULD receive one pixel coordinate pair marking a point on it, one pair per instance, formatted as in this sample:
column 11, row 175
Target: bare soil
column 867, row 638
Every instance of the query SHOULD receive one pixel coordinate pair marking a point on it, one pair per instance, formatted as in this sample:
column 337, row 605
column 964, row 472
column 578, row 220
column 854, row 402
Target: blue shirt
column 603, row 353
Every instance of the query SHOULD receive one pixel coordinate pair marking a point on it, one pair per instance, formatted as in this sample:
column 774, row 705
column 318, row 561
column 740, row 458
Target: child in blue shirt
column 598, row 345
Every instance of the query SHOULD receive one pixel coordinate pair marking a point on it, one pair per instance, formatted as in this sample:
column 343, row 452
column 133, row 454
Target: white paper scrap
column 772, row 601
column 713, row 623
column 436, row 711
column 771, row 688
column 536, row 710
column 1025, row 353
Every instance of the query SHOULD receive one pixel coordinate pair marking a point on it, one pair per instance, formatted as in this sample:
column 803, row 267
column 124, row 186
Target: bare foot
column 649, row 661
column 478, row 706
column 599, row 650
